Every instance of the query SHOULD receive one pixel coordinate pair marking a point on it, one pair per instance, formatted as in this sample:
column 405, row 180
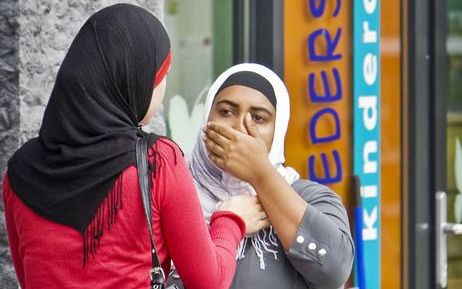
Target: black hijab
column 69, row 173
column 251, row 80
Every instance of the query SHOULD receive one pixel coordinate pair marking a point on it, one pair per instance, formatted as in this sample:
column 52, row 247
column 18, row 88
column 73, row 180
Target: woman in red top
column 72, row 201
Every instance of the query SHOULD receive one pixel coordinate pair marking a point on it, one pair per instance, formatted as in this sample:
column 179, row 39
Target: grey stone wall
column 34, row 38
column 9, row 116
column 47, row 28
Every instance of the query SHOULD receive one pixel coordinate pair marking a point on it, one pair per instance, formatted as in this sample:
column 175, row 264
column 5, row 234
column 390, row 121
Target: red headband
column 160, row 74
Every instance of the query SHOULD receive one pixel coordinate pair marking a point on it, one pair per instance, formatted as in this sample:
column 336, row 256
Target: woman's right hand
column 250, row 210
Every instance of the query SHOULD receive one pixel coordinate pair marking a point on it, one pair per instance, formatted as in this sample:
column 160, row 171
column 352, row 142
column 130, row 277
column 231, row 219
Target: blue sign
column 366, row 131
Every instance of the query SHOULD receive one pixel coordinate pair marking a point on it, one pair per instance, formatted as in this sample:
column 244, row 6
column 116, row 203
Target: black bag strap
column 156, row 273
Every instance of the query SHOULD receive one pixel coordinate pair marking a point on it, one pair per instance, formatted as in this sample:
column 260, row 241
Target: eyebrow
column 229, row 102
column 254, row 108
column 262, row 109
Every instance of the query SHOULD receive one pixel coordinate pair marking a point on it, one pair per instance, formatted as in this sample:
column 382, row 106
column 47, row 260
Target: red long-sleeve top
column 49, row 255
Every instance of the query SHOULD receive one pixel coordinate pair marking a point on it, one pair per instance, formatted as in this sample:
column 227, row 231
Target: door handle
column 454, row 229
column 443, row 229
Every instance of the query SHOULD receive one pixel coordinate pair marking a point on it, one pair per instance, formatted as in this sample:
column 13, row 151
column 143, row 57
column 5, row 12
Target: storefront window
column 201, row 38
column 454, row 140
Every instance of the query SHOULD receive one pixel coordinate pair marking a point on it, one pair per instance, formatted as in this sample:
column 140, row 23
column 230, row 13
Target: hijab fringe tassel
column 103, row 219
column 106, row 214
column 262, row 241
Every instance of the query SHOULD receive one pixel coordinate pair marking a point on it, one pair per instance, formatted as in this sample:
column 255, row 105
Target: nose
column 239, row 125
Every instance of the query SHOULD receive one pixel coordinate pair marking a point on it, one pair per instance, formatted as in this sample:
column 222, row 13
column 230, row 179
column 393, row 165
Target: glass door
column 454, row 140
column 448, row 205
column 432, row 144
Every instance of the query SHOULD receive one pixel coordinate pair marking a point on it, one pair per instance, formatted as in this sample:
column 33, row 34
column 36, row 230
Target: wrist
column 221, row 217
column 262, row 174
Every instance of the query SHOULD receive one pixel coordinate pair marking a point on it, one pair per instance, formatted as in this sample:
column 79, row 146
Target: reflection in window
column 201, row 37
column 454, row 46
column 454, row 137
column 458, row 181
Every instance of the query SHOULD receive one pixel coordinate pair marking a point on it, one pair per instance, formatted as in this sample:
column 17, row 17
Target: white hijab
column 214, row 185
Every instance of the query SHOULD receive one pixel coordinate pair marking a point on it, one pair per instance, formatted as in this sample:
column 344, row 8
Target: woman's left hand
column 243, row 155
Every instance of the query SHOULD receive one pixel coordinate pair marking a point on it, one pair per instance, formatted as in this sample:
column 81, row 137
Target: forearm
column 322, row 252
column 284, row 207
column 204, row 258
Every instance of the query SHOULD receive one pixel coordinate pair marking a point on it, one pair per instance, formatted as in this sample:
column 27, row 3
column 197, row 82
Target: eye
column 226, row 112
column 258, row 118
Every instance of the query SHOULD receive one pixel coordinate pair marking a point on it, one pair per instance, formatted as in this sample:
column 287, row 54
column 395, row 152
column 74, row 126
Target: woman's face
column 156, row 101
column 234, row 102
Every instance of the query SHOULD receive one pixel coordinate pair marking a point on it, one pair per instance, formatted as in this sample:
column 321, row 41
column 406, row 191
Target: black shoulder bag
column 156, row 273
